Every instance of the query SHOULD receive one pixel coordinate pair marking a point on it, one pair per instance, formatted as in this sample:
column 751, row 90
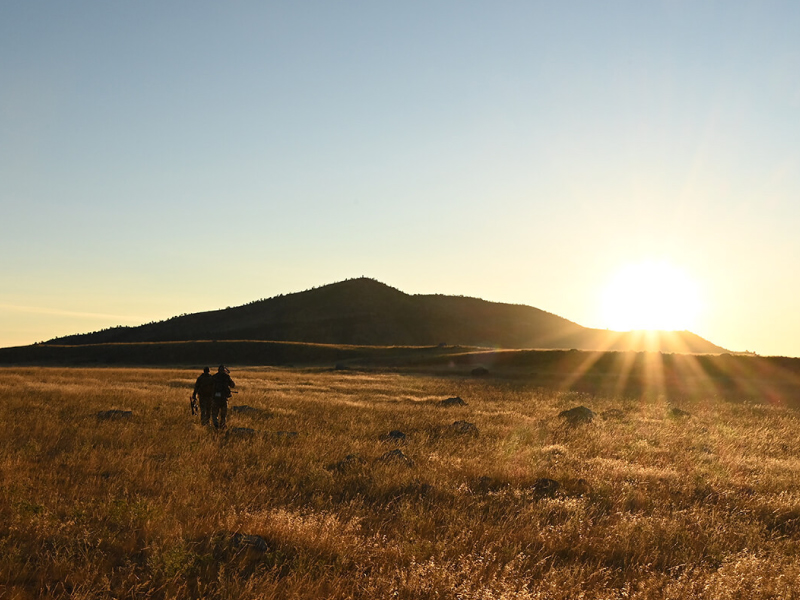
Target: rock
column 577, row 415
column 455, row 401
column 248, row 410
column 479, row 372
column 489, row 484
column 545, row 488
column 396, row 457
column 115, row 414
column 417, row 488
column 678, row 413
column 395, row 435
column 464, row 428
column 241, row 431
column 255, row 542
column 580, row 487
column 348, row 463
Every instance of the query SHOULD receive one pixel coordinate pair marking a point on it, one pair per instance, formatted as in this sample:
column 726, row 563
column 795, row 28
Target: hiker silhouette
column 222, row 391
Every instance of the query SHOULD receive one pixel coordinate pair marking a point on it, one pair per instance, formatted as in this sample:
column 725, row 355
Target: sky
column 160, row 158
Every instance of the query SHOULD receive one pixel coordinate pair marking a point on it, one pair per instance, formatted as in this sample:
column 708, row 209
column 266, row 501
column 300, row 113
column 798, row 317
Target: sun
column 651, row 295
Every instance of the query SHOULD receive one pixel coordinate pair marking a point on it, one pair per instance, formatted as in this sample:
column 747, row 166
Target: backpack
column 205, row 385
column 222, row 385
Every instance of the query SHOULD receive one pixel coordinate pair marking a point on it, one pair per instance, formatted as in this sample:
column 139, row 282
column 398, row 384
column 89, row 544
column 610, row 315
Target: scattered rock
column 678, row 413
column 613, row 414
column 479, row 372
column 395, row 436
column 396, row 457
column 249, row 410
column 464, row 428
column 348, row 463
column 255, row 542
column 115, row 414
column 241, row 431
column 580, row 487
column 545, row 488
column 455, row 401
column 577, row 415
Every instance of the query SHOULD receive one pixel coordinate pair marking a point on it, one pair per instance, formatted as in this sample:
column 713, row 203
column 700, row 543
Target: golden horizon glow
column 650, row 296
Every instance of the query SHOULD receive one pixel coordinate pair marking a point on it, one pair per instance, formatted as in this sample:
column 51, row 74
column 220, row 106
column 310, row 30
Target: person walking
column 222, row 391
column 204, row 390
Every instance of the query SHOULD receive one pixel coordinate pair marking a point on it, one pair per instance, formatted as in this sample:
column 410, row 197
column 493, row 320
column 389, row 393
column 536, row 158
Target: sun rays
column 681, row 376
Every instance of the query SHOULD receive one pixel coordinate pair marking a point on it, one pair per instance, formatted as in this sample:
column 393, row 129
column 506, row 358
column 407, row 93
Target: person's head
column 222, row 369
column 206, row 370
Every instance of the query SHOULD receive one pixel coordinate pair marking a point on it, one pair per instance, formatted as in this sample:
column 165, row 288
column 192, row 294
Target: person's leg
column 215, row 412
column 223, row 413
column 205, row 410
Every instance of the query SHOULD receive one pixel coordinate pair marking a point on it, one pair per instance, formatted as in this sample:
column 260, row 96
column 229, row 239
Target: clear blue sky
column 166, row 157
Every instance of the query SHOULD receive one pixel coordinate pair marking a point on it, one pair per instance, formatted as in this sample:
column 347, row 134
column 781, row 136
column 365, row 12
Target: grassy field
column 648, row 503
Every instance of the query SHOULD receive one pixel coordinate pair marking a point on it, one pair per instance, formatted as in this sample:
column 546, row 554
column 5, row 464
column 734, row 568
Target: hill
column 366, row 312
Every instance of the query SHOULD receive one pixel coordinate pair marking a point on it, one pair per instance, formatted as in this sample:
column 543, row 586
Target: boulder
column 455, row 401
column 479, row 372
column 115, row 414
column 577, row 415
column 395, row 436
column 545, row 488
column 348, row 463
column 395, row 457
column 253, row 542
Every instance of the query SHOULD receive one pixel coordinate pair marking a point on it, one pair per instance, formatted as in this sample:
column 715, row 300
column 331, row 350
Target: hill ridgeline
column 366, row 312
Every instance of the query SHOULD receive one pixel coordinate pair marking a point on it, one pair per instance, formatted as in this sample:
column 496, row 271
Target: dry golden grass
column 650, row 505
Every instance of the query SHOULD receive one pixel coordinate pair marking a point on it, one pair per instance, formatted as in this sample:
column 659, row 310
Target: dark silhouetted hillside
column 367, row 312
